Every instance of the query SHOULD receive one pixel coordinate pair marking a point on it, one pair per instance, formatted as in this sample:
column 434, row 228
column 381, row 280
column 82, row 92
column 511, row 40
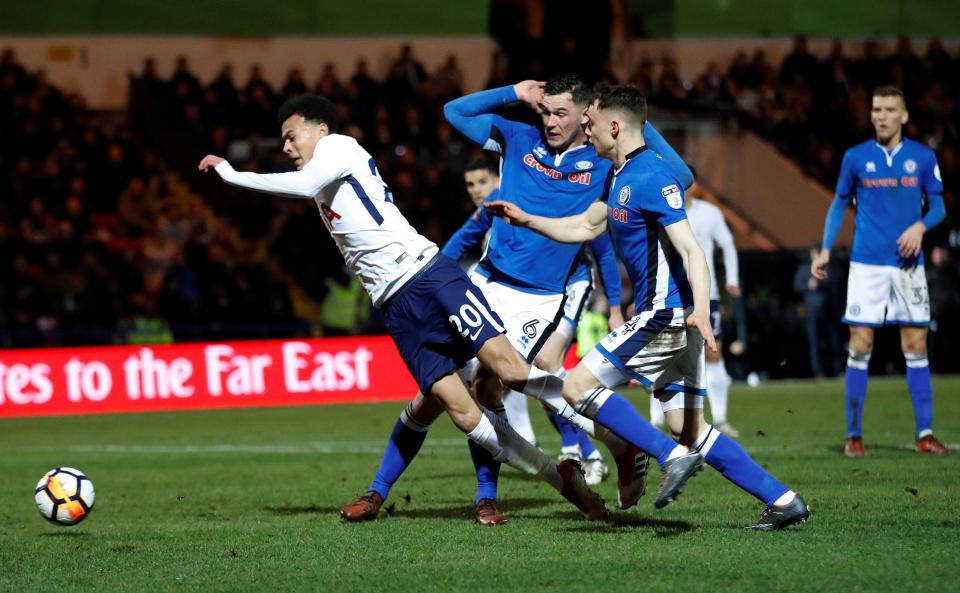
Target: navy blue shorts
column 439, row 320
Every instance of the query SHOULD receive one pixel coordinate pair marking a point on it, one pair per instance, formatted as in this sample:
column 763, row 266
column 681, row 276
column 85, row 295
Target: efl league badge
column 673, row 196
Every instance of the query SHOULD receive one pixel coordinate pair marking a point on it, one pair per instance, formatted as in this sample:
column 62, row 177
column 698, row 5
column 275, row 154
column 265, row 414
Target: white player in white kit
column 711, row 232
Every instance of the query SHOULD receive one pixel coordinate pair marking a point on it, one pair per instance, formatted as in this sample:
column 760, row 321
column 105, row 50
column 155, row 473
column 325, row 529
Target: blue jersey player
column 663, row 345
column 575, row 443
column 889, row 178
column 523, row 275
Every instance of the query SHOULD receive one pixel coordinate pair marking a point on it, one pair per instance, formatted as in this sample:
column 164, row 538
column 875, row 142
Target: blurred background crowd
column 109, row 235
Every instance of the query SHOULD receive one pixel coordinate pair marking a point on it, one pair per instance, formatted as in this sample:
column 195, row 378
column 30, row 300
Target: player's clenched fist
column 209, row 162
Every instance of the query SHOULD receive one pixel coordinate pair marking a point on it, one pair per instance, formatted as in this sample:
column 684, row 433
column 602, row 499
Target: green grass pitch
column 246, row 500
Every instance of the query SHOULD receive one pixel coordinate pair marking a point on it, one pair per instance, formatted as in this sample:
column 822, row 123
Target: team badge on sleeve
column 936, row 172
column 673, row 196
column 624, row 196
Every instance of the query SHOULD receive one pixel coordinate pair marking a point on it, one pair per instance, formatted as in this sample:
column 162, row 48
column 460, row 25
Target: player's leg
column 869, row 291
column 678, row 390
column 855, row 386
column 497, row 437
column 405, row 441
column 718, row 390
column 718, row 381
column 910, row 308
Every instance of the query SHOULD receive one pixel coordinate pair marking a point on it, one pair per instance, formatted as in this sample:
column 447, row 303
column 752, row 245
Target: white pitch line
column 444, row 446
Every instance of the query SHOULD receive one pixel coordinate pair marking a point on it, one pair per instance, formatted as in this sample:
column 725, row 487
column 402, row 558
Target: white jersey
column 376, row 241
column 711, row 232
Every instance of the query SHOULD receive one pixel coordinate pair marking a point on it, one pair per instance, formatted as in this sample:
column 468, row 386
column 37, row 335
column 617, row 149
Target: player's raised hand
column 908, row 245
column 818, row 268
column 508, row 211
column 701, row 321
column 530, row 92
column 209, row 162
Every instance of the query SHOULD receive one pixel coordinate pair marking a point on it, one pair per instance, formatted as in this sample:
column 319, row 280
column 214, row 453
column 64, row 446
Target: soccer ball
column 65, row 496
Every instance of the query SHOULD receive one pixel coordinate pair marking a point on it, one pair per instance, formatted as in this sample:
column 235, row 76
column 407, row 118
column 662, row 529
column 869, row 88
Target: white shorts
column 887, row 295
column 657, row 349
column 528, row 318
column 578, row 295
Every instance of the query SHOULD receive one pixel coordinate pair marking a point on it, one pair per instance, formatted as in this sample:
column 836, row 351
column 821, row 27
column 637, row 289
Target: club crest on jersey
column 909, row 166
column 673, row 196
column 624, row 196
column 583, row 165
column 871, row 167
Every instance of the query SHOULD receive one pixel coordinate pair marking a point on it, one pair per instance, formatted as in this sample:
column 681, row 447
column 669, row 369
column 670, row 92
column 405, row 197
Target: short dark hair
column 313, row 108
column 483, row 164
column 574, row 84
column 888, row 90
column 625, row 97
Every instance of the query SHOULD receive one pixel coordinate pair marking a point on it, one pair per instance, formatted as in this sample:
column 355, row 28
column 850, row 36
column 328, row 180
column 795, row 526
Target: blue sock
column 586, row 445
column 728, row 457
column 856, row 393
column 618, row 415
column 402, row 447
column 488, row 471
column 568, row 432
column 918, row 383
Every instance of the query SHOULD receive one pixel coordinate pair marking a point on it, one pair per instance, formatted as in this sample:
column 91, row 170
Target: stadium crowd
column 103, row 233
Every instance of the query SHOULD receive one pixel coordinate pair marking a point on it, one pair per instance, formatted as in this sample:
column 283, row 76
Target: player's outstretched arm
column 731, row 268
column 569, row 229
column 469, row 235
column 305, row 183
column 698, row 274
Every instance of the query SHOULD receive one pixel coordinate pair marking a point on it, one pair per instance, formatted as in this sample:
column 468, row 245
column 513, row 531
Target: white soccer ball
column 65, row 495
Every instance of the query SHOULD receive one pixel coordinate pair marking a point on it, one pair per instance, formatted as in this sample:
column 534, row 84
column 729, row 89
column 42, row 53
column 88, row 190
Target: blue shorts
column 439, row 320
column 715, row 319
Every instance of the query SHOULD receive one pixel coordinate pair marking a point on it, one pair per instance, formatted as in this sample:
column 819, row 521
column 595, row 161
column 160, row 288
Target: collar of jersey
column 558, row 156
column 889, row 155
column 630, row 156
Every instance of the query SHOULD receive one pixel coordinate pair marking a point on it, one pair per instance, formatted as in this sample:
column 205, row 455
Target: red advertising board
column 204, row 375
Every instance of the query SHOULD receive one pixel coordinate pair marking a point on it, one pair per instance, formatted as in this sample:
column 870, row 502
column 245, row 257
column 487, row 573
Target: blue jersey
column 889, row 187
column 472, row 232
column 538, row 180
column 644, row 197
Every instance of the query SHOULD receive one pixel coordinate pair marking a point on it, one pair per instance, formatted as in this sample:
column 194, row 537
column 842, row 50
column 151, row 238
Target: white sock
column 678, row 451
column 656, row 412
column 785, row 499
column 705, row 440
column 548, row 389
column 718, row 386
column 595, row 455
column 505, row 445
column 515, row 404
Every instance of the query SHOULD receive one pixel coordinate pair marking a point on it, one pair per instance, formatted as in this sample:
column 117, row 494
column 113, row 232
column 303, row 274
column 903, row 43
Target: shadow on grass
column 65, row 534
column 885, row 448
column 620, row 523
column 455, row 510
